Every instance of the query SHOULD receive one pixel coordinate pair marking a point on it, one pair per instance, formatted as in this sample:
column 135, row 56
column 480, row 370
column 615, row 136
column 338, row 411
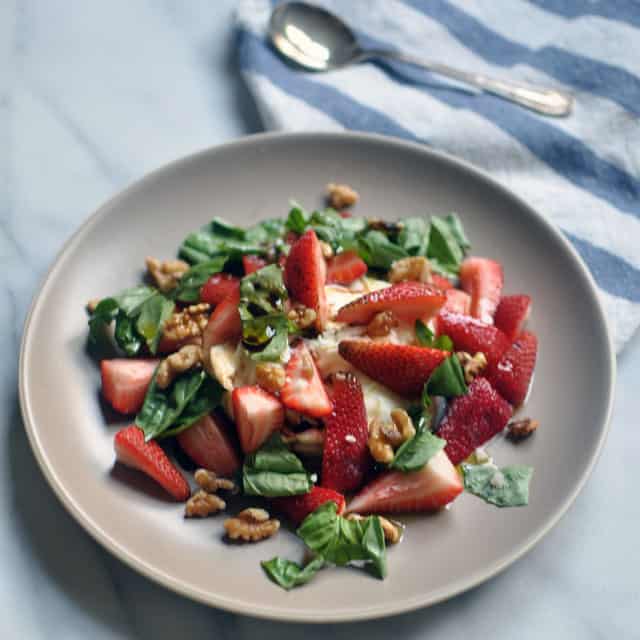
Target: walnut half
column 472, row 366
column 166, row 274
column 385, row 438
column 210, row 482
column 392, row 529
column 251, row 525
column 202, row 504
column 414, row 268
column 341, row 196
column 521, row 429
column 188, row 357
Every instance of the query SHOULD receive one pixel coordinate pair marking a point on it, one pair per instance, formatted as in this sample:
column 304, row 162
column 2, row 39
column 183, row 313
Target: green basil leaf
column 378, row 251
column 127, row 335
column 268, row 333
column 221, row 227
column 101, row 318
column 266, row 231
column 274, row 471
column 416, row 452
column 455, row 226
column 447, row 380
column 414, row 235
column 444, row 247
column 130, row 301
column 290, row 574
column 424, row 335
column 297, row 219
column 188, row 289
column 193, row 256
column 162, row 407
column 374, row 545
column 445, row 343
column 154, row 312
column 505, row 487
column 264, row 289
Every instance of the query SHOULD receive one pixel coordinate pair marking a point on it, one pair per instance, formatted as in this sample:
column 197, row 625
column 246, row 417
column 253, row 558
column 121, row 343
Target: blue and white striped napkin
column 583, row 171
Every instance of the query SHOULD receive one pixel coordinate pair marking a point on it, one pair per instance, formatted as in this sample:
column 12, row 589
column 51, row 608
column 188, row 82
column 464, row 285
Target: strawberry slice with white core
column 297, row 508
column 432, row 487
column 303, row 390
column 305, row 275
column 345, row 267
column 407, row 300
column 512, row 314
column 148, row 457
column 257, row 414
column 209, row 445
column 457, row 302
column 482, row 278
column 125, row 382
column 224, row 325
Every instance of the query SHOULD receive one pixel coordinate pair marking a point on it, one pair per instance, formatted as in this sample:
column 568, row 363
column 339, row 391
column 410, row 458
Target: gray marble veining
column 92, row 96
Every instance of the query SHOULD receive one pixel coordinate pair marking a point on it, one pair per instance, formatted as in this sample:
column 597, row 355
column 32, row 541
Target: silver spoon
column 320, row 41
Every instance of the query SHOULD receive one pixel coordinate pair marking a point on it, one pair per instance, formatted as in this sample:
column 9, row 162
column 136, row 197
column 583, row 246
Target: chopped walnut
column 384, row 225
column 521, row 429
column 392, row 529
column 381, row 324
column 414, row 268
column 187, row 358
column 211, row 483
column 472, row 365
column 251, row 525
column 327, row 249
column 188, row 323
column 93, row 304
column 385, row 437
column 341, row 196
column 166, row 274
column 270, row 376
column 302, row 316
column 202, row 504
column 309, row 442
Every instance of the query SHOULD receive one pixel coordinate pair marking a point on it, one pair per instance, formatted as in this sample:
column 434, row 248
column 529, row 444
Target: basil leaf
column 101, row 318
column 506, row 487
column 265, row 231
column 414, row 235
column 162, row 407
column 378, row 251
column 274, row 471
column 127, row 335
column 154, row 312
column 426, row 338
column 130, row 301
column 447, row 380
column 341, row 541
column 290, row 574
column 445, row 343
column 444, row 247
column 455, row 226
column 264, row 290
column 205, row 244
column 297, row 219
column 416, row 452
column 221, row 227
column 188, row 289
column 269, row 334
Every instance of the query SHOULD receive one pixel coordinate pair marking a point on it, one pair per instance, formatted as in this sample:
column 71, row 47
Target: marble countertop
column 92, row 96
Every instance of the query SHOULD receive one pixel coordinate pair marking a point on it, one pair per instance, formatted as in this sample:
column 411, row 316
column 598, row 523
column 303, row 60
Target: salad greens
column 505, row 487
column 426, row 338
column 189, row 285
column 416, row 452
column 289, row 574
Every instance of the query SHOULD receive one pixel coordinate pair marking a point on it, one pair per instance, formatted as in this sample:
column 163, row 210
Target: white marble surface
column 92, row 96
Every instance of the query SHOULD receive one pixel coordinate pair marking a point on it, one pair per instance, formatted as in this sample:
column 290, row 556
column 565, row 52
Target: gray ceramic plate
column 442, row 554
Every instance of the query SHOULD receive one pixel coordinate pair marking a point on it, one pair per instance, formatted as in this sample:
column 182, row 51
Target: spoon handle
column 547, row 101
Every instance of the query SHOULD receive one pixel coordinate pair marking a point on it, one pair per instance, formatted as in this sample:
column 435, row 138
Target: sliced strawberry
column 472, row 335
column 473, row 419
column 482, row 279
column 432, row 487
column 303, row 390
column 401, row 367
column 457, row 302
column 407, row 300
column 125, row 382
column 345, row 458
column 171, row 345
column 208, row 444
column 345, row 214
column 257, row 414
column 512, row 375
column 224, row 325
column 219, row 287
column 345, row 267
column 305, row 276
column 444, row 284
column 148, row 457
column 252, row 263
column 297, row 508
column 511, row 314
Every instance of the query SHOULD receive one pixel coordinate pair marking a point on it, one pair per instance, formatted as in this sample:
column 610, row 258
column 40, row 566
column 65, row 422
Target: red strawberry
column 219, row 287
column 224, row 325
column 432, row 487
column 512, row 375
column 457, row 302
column 401, row 367
column 473, row 419
column 482, row 278
column 125, row 382
column 345, row 458
column 303, row 390
column 252, row 263
column 407, row 300
column 171, row 345
column 345, row 268
column 511, row 314
column 208, row 444
column 297, row 508
column 444, row 284
column 305, row 276
column 345, row 214
column 148, row 457
column 257, row 414
column 472, row 335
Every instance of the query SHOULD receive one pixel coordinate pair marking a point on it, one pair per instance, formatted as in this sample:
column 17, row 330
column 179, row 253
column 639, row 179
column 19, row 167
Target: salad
column 335, row 369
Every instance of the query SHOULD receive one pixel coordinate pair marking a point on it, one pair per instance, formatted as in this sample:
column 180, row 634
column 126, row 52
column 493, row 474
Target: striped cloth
column 583, row 171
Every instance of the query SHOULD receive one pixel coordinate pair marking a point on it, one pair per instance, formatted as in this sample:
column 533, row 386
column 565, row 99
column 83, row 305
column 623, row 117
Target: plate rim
column 269, row 612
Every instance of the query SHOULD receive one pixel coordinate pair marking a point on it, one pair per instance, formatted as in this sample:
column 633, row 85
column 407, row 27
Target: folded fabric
column 583, row 172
